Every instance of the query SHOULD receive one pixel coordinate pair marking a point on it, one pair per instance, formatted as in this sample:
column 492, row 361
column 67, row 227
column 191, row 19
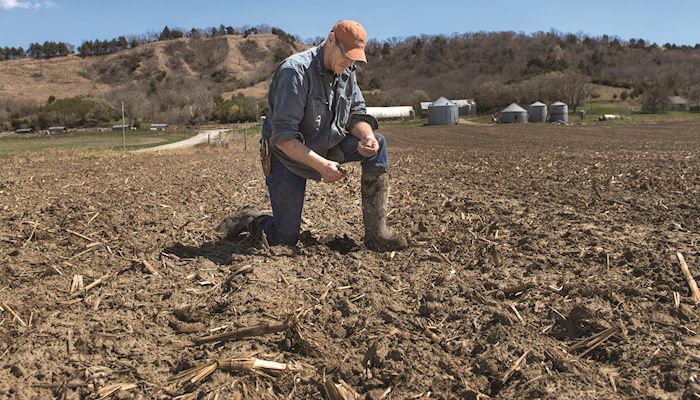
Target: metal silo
column 558, row 112
column 538, row 112
column 443, row 112
column 514, row 114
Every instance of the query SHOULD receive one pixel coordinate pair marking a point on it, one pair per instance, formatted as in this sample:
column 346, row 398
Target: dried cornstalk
column 513, row 368
column 596, row 340
column 256, row 330
column 90, row 286
column 111, row 389
column 196, row 374
column 695, row 293
column 340, row 391
column 14, row 314
column 149, row 267
column 77, row 283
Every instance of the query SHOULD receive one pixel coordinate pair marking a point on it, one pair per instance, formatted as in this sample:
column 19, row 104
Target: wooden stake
column 695, row 293
column 257, row 330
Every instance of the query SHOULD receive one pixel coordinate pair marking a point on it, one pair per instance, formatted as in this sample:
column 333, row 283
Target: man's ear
column 331, row 38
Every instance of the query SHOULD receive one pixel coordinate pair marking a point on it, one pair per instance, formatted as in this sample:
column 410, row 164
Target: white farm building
column 396, row 112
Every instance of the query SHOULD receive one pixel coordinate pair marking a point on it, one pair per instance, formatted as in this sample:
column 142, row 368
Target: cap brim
column 357, row 54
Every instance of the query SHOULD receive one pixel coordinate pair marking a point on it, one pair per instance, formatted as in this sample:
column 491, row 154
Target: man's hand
column 331, row 172
column 368, row 147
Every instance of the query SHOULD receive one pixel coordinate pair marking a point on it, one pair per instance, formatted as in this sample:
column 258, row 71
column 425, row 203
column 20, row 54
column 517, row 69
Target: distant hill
column 165, row 80
column 502, row 67
column 225, row 78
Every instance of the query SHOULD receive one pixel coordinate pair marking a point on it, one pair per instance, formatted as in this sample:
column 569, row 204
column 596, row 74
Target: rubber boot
column 375, row 200
column 244, row 220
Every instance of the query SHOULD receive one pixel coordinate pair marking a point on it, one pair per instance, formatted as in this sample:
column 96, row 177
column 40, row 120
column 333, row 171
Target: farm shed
column 424, row 105
column 514, row 114
column 443, row 112
column 57, row 129
column 538, row 112
column 23, row 130
column 466, row 106
column 403, row 112
column 558, row 112
column 678, row 103
column 158, row 127
column 118, row 128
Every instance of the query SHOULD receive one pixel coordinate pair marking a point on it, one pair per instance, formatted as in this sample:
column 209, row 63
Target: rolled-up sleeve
column 289, row 102
column 358, row 110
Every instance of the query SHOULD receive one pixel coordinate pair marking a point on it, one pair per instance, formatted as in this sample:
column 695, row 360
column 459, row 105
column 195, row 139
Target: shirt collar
column 321, row 68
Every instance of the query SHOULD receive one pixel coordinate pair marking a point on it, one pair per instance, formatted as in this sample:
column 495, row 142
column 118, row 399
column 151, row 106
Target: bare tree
column 198, row 106
column 574, row 88
column 655, row 98
column 694, row 95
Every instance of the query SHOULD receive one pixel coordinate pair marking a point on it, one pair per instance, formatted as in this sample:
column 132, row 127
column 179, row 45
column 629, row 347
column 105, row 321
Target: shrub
column 238, row 109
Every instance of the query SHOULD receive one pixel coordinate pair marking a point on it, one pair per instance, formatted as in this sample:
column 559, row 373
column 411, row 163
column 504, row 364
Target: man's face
column 339, row 62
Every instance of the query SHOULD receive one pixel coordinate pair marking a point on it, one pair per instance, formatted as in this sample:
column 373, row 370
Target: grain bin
column 443, row 112
column 538, row 112
column 514, row 114
column 558, row 112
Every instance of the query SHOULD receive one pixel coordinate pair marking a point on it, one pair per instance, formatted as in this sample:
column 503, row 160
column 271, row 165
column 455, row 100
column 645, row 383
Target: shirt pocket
column 317, row 113
column 343, row 112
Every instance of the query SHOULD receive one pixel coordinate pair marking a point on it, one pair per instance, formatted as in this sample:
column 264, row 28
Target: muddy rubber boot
column 375, row 199
column 244, row 220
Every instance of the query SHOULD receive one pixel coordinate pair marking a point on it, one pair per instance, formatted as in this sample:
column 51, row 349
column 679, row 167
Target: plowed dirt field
column 543, row 264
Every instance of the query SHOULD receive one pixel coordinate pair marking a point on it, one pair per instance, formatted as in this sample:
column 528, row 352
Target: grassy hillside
column 174, row 81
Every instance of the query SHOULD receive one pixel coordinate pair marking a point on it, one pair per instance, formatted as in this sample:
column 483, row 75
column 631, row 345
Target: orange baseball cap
column 353, row 39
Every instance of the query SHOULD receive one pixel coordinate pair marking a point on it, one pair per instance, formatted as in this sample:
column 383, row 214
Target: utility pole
column 123, row 129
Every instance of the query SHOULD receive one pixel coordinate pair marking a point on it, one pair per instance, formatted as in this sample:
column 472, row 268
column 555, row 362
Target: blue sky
column 73, row 21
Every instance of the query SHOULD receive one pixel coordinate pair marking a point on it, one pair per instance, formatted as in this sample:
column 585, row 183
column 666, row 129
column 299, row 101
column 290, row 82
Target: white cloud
column 35, row 5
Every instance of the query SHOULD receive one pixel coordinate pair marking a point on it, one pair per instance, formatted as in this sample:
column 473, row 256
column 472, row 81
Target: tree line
column 99, row 47
column 497, row 68
column 37, row 50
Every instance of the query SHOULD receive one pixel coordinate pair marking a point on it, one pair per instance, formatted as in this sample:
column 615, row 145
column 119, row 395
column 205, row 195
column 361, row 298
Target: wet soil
column 525, row 241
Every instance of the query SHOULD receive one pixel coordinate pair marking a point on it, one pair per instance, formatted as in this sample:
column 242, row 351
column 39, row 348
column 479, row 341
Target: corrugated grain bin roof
column 442, row 102
column 538, row 104
column 558, row 103
column 514, row 108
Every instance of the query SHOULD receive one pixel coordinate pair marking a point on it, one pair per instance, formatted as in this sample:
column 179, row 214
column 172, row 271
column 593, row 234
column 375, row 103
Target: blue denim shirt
column 313, row 105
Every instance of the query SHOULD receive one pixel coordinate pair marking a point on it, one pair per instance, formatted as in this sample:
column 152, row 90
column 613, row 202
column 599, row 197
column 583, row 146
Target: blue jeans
column 287, row 190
